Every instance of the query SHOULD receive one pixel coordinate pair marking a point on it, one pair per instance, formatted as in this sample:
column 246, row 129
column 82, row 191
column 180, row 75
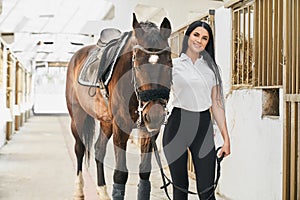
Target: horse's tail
column 88, row 136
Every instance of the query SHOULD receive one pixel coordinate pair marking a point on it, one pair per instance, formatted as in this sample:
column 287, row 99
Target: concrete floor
column 39, row 164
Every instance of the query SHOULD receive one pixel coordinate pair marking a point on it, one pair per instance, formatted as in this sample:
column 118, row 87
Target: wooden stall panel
column 291, row 154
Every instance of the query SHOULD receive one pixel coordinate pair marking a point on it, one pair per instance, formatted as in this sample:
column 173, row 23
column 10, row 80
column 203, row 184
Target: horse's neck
column 127, row 51
column 130, row 44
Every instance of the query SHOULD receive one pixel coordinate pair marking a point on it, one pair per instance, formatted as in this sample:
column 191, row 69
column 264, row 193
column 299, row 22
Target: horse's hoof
column 102, row 193
column 78, row 197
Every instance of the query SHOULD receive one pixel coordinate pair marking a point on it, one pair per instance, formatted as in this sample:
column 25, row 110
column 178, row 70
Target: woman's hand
column 225, row 149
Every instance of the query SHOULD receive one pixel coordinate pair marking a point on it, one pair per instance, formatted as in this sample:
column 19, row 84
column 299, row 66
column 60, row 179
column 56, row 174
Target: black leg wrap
column 120, row 177
column 144, row 189
column 118, row 191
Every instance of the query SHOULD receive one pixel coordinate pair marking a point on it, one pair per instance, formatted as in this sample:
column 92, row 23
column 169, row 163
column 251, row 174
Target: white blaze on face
column 153, row 59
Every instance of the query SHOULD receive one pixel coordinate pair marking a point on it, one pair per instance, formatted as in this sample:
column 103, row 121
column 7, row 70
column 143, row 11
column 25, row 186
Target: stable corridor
column 38, row 163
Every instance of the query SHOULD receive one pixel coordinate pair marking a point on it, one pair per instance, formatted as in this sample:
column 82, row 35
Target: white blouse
column 192, row 84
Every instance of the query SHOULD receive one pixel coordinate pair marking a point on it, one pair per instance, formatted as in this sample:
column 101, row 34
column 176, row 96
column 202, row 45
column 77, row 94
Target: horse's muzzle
column 154, row 94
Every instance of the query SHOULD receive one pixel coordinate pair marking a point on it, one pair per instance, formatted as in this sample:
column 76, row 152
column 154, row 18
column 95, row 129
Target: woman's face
column 198, row 40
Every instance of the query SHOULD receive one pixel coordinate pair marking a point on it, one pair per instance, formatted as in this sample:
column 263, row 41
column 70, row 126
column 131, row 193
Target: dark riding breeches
column 190, row 130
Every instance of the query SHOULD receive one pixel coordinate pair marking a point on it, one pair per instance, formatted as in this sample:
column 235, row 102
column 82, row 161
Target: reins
column 165, row 178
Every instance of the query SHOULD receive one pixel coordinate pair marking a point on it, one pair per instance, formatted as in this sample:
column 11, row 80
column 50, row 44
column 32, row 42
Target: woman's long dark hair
column 208, row 54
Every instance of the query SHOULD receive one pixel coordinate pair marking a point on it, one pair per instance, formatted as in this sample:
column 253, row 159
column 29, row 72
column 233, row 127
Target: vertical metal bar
column 253, row 45
column 298, row 146
column 297, row 43
column 233, row 53
column 297, row 74
column 248, row 47
column 265, row 42
column 233, row 49
column 261, row 36
column 288, row 47
column 263, row 39
column 275, row 65
column 286, row 157
column 290, row 44
column 256, row 44
column 286, row 170
column 293, row 158
column 269, row 71
column 243, row 47
column 293, row 45
column 279, row 42
column 238, row 48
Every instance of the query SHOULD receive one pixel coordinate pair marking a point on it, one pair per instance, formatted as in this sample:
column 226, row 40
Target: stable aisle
column 38, row 163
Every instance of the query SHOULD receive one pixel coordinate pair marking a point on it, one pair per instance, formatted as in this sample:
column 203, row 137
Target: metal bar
column 279, row 42
column 260, row 51
column 286, row 108
column 298, row 146
column 297, row 77
column 243, row 46
column 269, row 43
column 293, row 158
column 238, row 48
column 288, row 47
column 275, row 65
column 233, row 53
column 265, row 43
column 290, row 44
column 293, row 49
column 248, row 48
column 286, row 157
column 297, row 43
column 256, row 44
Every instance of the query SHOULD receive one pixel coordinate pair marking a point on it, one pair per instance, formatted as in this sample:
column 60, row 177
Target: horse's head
column 152, row 65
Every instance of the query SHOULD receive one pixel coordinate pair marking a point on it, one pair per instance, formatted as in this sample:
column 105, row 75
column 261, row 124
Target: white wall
column 254, row 168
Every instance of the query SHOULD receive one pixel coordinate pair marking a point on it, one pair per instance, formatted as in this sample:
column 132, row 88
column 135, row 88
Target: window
column 243, row 33
column 257, row 44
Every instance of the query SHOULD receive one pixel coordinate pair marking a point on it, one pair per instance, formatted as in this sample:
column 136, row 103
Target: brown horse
column 137, row 95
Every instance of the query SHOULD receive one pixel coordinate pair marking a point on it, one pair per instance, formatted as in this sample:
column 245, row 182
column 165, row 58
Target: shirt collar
column 184, row 57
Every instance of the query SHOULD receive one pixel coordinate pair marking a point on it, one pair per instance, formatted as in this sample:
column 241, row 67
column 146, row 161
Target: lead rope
column 164, row 177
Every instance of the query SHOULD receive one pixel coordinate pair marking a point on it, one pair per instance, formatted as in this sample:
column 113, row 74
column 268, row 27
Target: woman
column 196, row 93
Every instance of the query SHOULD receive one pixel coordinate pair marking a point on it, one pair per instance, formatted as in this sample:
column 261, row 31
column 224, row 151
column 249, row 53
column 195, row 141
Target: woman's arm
column 218, row 112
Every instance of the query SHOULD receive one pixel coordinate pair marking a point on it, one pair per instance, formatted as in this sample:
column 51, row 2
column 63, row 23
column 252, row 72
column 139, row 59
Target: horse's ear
column 138, row 31
column 165, row 29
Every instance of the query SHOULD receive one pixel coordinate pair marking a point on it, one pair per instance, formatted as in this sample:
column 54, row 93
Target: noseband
column 148, row 95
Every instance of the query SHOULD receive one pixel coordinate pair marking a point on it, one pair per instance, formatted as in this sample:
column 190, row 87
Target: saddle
column 99, row 65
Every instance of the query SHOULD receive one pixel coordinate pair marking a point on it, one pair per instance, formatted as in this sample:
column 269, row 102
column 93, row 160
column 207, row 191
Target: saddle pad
column 89, row 72
column 100, row 62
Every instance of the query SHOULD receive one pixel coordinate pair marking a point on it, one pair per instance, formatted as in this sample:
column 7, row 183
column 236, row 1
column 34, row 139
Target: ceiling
column 51, row 31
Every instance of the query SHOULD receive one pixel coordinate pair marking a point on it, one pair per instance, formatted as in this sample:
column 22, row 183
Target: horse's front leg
column 144, row 186
column 120, row 139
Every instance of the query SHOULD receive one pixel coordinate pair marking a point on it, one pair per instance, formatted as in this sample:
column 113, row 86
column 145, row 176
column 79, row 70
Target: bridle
column 146, row 96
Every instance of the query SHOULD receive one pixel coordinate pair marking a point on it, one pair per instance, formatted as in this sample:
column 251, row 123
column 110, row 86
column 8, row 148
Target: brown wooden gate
column 291, row 89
